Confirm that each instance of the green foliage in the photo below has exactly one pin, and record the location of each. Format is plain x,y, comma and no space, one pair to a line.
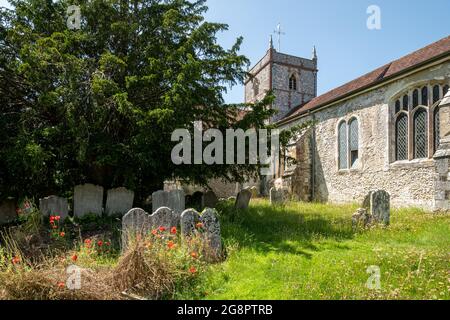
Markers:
99,104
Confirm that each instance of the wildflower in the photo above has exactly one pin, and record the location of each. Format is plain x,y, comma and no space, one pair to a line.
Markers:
88,243
74,258
199,225
100,243
15,260
162,229
154,232
194,255
61,285
173,230
192,270
57,218
107,243
62,234
170,244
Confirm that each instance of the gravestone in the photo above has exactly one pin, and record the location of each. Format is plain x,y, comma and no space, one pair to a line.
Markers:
243,199
54,206
88,199
210,230
254,191
277,196
119,201
380,206
174,200
138,222
134,223
159,199
210,200
7,211
361,218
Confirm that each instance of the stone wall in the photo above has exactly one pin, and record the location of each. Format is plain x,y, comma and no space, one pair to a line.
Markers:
410,183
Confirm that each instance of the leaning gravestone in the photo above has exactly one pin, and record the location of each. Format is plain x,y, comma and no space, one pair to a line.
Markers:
54,205
210,199
119,201
7,211
210,230
88,199
243,199
174,200
277,196
138,222
380,206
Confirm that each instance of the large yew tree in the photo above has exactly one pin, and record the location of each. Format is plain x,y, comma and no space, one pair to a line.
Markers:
99,104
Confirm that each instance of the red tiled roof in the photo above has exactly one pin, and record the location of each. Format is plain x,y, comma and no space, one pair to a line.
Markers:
437,49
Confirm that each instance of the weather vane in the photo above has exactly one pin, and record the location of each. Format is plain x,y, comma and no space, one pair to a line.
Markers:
279,33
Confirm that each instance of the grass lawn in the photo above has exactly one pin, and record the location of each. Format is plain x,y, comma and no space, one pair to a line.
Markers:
309,251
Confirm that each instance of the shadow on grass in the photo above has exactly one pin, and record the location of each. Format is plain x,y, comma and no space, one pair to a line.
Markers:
266,228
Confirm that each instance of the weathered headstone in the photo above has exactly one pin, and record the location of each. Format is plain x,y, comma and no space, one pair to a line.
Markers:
210,230
277,196
361,218
135,222
119,201
243,199
380,206
210,200
88,199
54,205
7,211
159,199
255,192
164,217
174,200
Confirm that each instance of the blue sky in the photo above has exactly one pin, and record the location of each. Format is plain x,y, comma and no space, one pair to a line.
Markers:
346,48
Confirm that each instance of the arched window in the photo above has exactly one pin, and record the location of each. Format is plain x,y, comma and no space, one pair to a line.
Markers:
405,102
342,144
436,93
397,106
437,131
425,96
415,98
353,142
401,137
420,134
293,83
445,89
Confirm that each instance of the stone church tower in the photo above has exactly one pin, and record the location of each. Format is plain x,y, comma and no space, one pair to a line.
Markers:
293,80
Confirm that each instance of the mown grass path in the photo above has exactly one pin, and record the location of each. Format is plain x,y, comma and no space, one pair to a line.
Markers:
309,251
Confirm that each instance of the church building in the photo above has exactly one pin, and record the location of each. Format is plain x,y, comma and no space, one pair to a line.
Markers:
385,130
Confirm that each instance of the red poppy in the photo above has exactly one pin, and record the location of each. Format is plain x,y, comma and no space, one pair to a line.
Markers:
62,234
162,229
173,230
61,285
154,232
52,218
16,260
57,218
170,244
74,258
100,243
192,270
199,225
194,255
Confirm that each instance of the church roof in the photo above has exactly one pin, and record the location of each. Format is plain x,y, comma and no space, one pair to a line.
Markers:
433,51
